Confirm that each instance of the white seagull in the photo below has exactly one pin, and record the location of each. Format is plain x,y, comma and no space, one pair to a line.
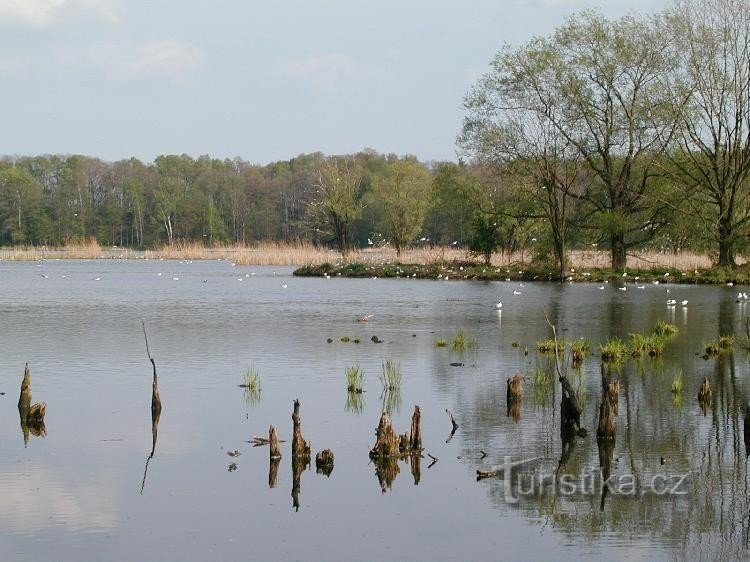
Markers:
671,302
499,305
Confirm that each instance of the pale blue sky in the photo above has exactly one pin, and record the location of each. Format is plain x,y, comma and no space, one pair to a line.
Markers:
259,80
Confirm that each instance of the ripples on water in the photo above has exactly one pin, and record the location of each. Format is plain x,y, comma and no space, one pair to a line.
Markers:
75,494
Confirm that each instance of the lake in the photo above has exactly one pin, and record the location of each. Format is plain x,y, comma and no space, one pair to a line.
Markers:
87,489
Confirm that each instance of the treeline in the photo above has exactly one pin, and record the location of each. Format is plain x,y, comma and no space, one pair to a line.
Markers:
54,200
616,134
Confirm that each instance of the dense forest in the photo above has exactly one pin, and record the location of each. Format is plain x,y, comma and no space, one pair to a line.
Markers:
621,134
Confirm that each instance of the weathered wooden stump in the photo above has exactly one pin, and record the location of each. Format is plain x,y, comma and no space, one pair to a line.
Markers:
273,471
31,415
324,462
515,388
300,447
704,393
386,439
608,409
570,409
415,435
273,442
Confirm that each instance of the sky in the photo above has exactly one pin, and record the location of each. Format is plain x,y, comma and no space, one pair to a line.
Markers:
262,81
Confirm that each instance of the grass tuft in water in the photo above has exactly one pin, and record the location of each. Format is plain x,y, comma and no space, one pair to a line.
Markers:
665,329
441,343
677,383
613,350
579,349
355,379
391,376
251,385
462,341
548,346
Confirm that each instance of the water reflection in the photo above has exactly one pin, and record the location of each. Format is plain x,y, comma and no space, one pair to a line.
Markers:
155,415
299,464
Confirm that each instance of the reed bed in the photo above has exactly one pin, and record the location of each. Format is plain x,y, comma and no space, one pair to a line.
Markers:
305,252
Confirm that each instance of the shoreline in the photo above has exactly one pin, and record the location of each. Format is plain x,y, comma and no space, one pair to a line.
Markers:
437,263
468,271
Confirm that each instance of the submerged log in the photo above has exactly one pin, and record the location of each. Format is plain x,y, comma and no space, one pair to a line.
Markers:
300,447
273,441
324,462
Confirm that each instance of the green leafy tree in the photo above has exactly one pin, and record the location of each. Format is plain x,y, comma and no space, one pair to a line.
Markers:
338,203
403,199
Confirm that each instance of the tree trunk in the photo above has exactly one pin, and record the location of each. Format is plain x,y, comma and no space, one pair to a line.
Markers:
619,259
273,441
726,242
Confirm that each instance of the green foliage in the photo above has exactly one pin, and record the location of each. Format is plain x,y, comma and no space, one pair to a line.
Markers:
391,376
441,343
355,379
677,383
403,196
614,350
462,341
251,385
579,349
665,329
484,236
549,346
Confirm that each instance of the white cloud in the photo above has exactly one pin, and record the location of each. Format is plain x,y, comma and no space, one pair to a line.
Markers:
327,71
43,13
169,58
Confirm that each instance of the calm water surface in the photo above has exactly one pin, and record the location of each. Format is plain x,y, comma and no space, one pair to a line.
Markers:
85,492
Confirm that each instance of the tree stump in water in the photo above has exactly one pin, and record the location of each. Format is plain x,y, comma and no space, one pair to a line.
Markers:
300,447
570,409
608,409
273,442
31,415
515,388
386,439
415,436
324,462
273,471
704,393
24,400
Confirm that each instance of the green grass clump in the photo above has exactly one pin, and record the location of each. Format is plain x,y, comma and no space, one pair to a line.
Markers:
462,341
251,385
613,350
726,342
391,375
441,343
665,329
549,346
677,383
355,379
345,339
579,349
638,344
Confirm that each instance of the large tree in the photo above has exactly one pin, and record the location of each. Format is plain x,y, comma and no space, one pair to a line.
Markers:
403,197
600,85
712,155
338,203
